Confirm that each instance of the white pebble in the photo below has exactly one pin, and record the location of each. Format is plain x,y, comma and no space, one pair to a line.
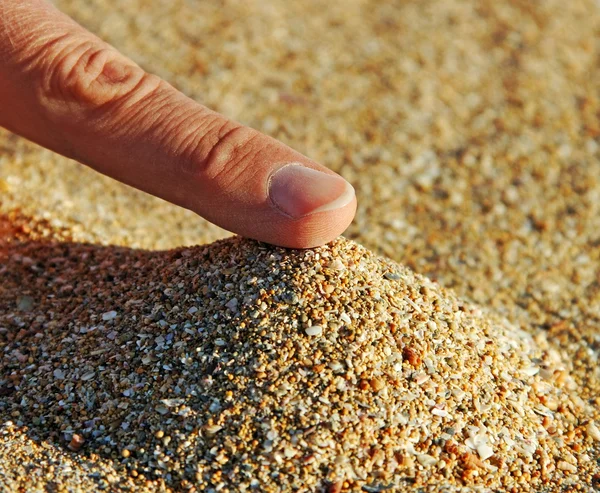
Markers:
172,402
565,466
485,451
426,460
289,452
315,330
109,315
593,431
212,430
531,371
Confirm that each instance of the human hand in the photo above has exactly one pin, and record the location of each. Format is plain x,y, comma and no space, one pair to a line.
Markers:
67,90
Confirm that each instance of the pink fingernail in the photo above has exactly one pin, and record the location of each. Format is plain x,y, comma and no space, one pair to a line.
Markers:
299,191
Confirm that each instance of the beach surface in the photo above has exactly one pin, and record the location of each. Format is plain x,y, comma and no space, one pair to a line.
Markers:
471,133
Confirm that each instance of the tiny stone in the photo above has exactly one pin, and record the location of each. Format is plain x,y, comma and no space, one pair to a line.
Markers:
161,409
109,315
335,487
565,466
173,402
377,384
484,451
439,412
426,460
232,304
87,376
593,431
412,356
24,303
315,330
76,442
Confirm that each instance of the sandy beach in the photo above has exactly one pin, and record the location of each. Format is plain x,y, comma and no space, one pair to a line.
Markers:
450,340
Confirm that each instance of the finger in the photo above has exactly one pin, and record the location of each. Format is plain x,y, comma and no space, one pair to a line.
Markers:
69,91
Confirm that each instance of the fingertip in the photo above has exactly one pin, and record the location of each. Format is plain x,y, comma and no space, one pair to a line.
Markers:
314,230
266,191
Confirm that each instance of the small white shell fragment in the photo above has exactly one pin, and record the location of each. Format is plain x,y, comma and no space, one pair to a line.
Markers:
172,402
426,460
593,431
87,376
565,466
109,315
531,371
212,430
315,330
337,264
289,452
484,451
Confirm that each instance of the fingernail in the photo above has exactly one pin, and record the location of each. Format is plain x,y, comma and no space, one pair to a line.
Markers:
299,191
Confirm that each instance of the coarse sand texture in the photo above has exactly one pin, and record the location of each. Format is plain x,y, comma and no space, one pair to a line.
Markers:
138,356
243,367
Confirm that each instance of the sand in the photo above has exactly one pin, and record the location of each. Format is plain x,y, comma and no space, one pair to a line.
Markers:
241,366
469,130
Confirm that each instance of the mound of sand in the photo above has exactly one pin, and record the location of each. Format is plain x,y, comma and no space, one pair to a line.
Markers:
243,367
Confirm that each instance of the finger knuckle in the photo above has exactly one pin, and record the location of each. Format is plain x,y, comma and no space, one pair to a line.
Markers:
86,76
224,152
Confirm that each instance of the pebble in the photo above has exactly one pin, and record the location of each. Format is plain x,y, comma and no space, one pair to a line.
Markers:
335,487
377,384
565,466
110,315
232,304
77,441
593,431
484,451
315,330
25,303
426,460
